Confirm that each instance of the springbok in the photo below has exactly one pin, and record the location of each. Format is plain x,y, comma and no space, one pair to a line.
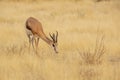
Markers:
35,31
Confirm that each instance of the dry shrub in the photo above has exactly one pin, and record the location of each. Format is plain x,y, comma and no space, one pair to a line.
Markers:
15,49
94,57
101,0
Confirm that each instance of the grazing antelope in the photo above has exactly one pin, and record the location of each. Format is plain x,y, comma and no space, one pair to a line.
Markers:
35,31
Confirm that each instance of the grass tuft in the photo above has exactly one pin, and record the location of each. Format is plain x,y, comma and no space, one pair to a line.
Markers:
96,56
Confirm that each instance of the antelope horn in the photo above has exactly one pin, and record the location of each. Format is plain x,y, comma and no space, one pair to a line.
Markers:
53,37
56,36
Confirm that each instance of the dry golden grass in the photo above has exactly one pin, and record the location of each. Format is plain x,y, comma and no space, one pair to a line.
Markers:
78,23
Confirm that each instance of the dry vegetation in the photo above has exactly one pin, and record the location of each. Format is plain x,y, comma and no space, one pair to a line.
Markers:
89,40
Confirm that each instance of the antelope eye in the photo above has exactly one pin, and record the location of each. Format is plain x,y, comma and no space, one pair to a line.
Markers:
53,45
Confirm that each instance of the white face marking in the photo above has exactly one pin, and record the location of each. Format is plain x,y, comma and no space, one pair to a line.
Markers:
54,46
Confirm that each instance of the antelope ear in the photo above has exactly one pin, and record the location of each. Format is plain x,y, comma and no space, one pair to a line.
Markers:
51,36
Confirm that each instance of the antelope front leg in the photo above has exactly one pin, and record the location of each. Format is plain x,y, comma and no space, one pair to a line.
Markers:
33,43
30,41
29,44
36,43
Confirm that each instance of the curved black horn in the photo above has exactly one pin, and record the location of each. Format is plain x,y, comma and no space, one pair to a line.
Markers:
52,36
56,36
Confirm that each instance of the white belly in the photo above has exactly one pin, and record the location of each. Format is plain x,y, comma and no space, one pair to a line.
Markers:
30,34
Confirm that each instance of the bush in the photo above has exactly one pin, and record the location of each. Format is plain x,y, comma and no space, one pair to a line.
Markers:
94,57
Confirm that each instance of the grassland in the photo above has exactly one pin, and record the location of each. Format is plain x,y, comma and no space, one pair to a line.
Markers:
80,24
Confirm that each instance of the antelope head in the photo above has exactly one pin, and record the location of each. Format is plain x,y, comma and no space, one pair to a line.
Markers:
54,41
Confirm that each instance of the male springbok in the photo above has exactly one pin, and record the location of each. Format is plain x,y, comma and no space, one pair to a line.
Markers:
35,31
